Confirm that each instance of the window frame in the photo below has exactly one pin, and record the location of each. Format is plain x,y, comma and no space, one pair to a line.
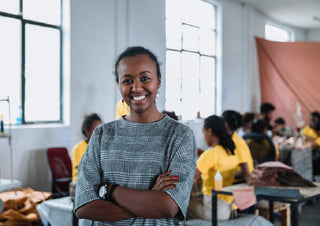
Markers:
215,57
59,28
291,33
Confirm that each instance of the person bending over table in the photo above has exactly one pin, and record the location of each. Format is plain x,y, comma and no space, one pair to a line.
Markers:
220,156
137,170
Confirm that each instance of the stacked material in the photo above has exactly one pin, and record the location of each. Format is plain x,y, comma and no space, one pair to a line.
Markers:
20,206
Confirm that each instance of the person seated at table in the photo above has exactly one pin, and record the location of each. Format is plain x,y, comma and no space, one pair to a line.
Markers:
266,111
278,128
260,144
233,120
308,131
220,156
248,118
88,125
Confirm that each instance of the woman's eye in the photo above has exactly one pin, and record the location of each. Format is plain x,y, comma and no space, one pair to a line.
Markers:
127,81
145,79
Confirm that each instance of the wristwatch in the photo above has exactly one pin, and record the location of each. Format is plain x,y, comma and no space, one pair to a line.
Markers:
105,191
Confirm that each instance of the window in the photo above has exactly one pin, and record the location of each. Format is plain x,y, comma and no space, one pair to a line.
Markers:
277,33
191,40
31,60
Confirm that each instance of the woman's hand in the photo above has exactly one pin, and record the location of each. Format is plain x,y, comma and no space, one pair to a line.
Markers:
165,181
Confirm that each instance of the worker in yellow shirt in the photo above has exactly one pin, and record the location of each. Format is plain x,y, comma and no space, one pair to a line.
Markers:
308,132
233,122
220,156
89,123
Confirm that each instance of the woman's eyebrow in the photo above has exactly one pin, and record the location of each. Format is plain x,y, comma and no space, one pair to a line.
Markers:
145,72
126,75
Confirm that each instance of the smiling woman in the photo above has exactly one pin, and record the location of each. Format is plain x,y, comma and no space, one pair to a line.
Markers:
139,169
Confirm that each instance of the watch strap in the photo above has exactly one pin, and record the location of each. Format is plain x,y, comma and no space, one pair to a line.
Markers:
109,192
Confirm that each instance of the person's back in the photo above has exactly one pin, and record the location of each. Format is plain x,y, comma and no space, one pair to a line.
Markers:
233,121
261,146
220,156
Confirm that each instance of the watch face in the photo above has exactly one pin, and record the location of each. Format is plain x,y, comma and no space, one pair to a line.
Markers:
102,191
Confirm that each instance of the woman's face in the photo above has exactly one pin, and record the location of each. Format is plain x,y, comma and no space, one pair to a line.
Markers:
138,82
207,136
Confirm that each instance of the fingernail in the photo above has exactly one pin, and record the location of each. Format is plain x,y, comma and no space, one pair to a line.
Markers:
172,185
175,176
169,171
176,180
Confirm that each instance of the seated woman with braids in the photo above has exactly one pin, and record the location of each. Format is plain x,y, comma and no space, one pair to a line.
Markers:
220,156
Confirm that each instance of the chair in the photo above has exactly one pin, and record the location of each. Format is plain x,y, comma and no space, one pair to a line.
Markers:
60,166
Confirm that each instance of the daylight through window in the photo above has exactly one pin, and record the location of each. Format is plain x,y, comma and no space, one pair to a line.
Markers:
191,58
31,60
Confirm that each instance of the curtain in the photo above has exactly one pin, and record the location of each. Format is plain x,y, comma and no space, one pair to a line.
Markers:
290,73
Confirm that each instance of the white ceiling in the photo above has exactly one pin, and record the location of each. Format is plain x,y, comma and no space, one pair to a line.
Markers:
298,13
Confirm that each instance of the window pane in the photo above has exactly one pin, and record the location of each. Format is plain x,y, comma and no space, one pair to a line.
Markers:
173,82
47,11
9,6
207,42
207,86
190,85
10,66
173,34
42,72
191,38
195,32
207,16
274,33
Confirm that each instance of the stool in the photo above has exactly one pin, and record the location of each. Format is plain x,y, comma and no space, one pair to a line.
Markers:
283,208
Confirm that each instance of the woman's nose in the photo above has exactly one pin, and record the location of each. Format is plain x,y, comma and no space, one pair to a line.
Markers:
137,86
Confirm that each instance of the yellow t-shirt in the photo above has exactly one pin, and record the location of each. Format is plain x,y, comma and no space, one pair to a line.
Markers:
309,132
318,141
76,155
242,151
214,159
122,109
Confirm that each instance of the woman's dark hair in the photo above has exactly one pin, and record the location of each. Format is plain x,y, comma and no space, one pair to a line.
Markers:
217,125
266,107
233,118
279,121
88,122
248,117
134,51
258,126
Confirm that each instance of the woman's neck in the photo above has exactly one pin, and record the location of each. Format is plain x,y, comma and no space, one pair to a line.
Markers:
145,117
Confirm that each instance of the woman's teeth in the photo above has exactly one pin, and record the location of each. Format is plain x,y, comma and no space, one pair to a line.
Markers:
139,98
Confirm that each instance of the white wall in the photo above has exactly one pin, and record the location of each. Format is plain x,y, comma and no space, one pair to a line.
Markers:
313,35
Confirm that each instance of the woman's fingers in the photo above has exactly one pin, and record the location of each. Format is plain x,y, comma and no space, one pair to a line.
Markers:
165,181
